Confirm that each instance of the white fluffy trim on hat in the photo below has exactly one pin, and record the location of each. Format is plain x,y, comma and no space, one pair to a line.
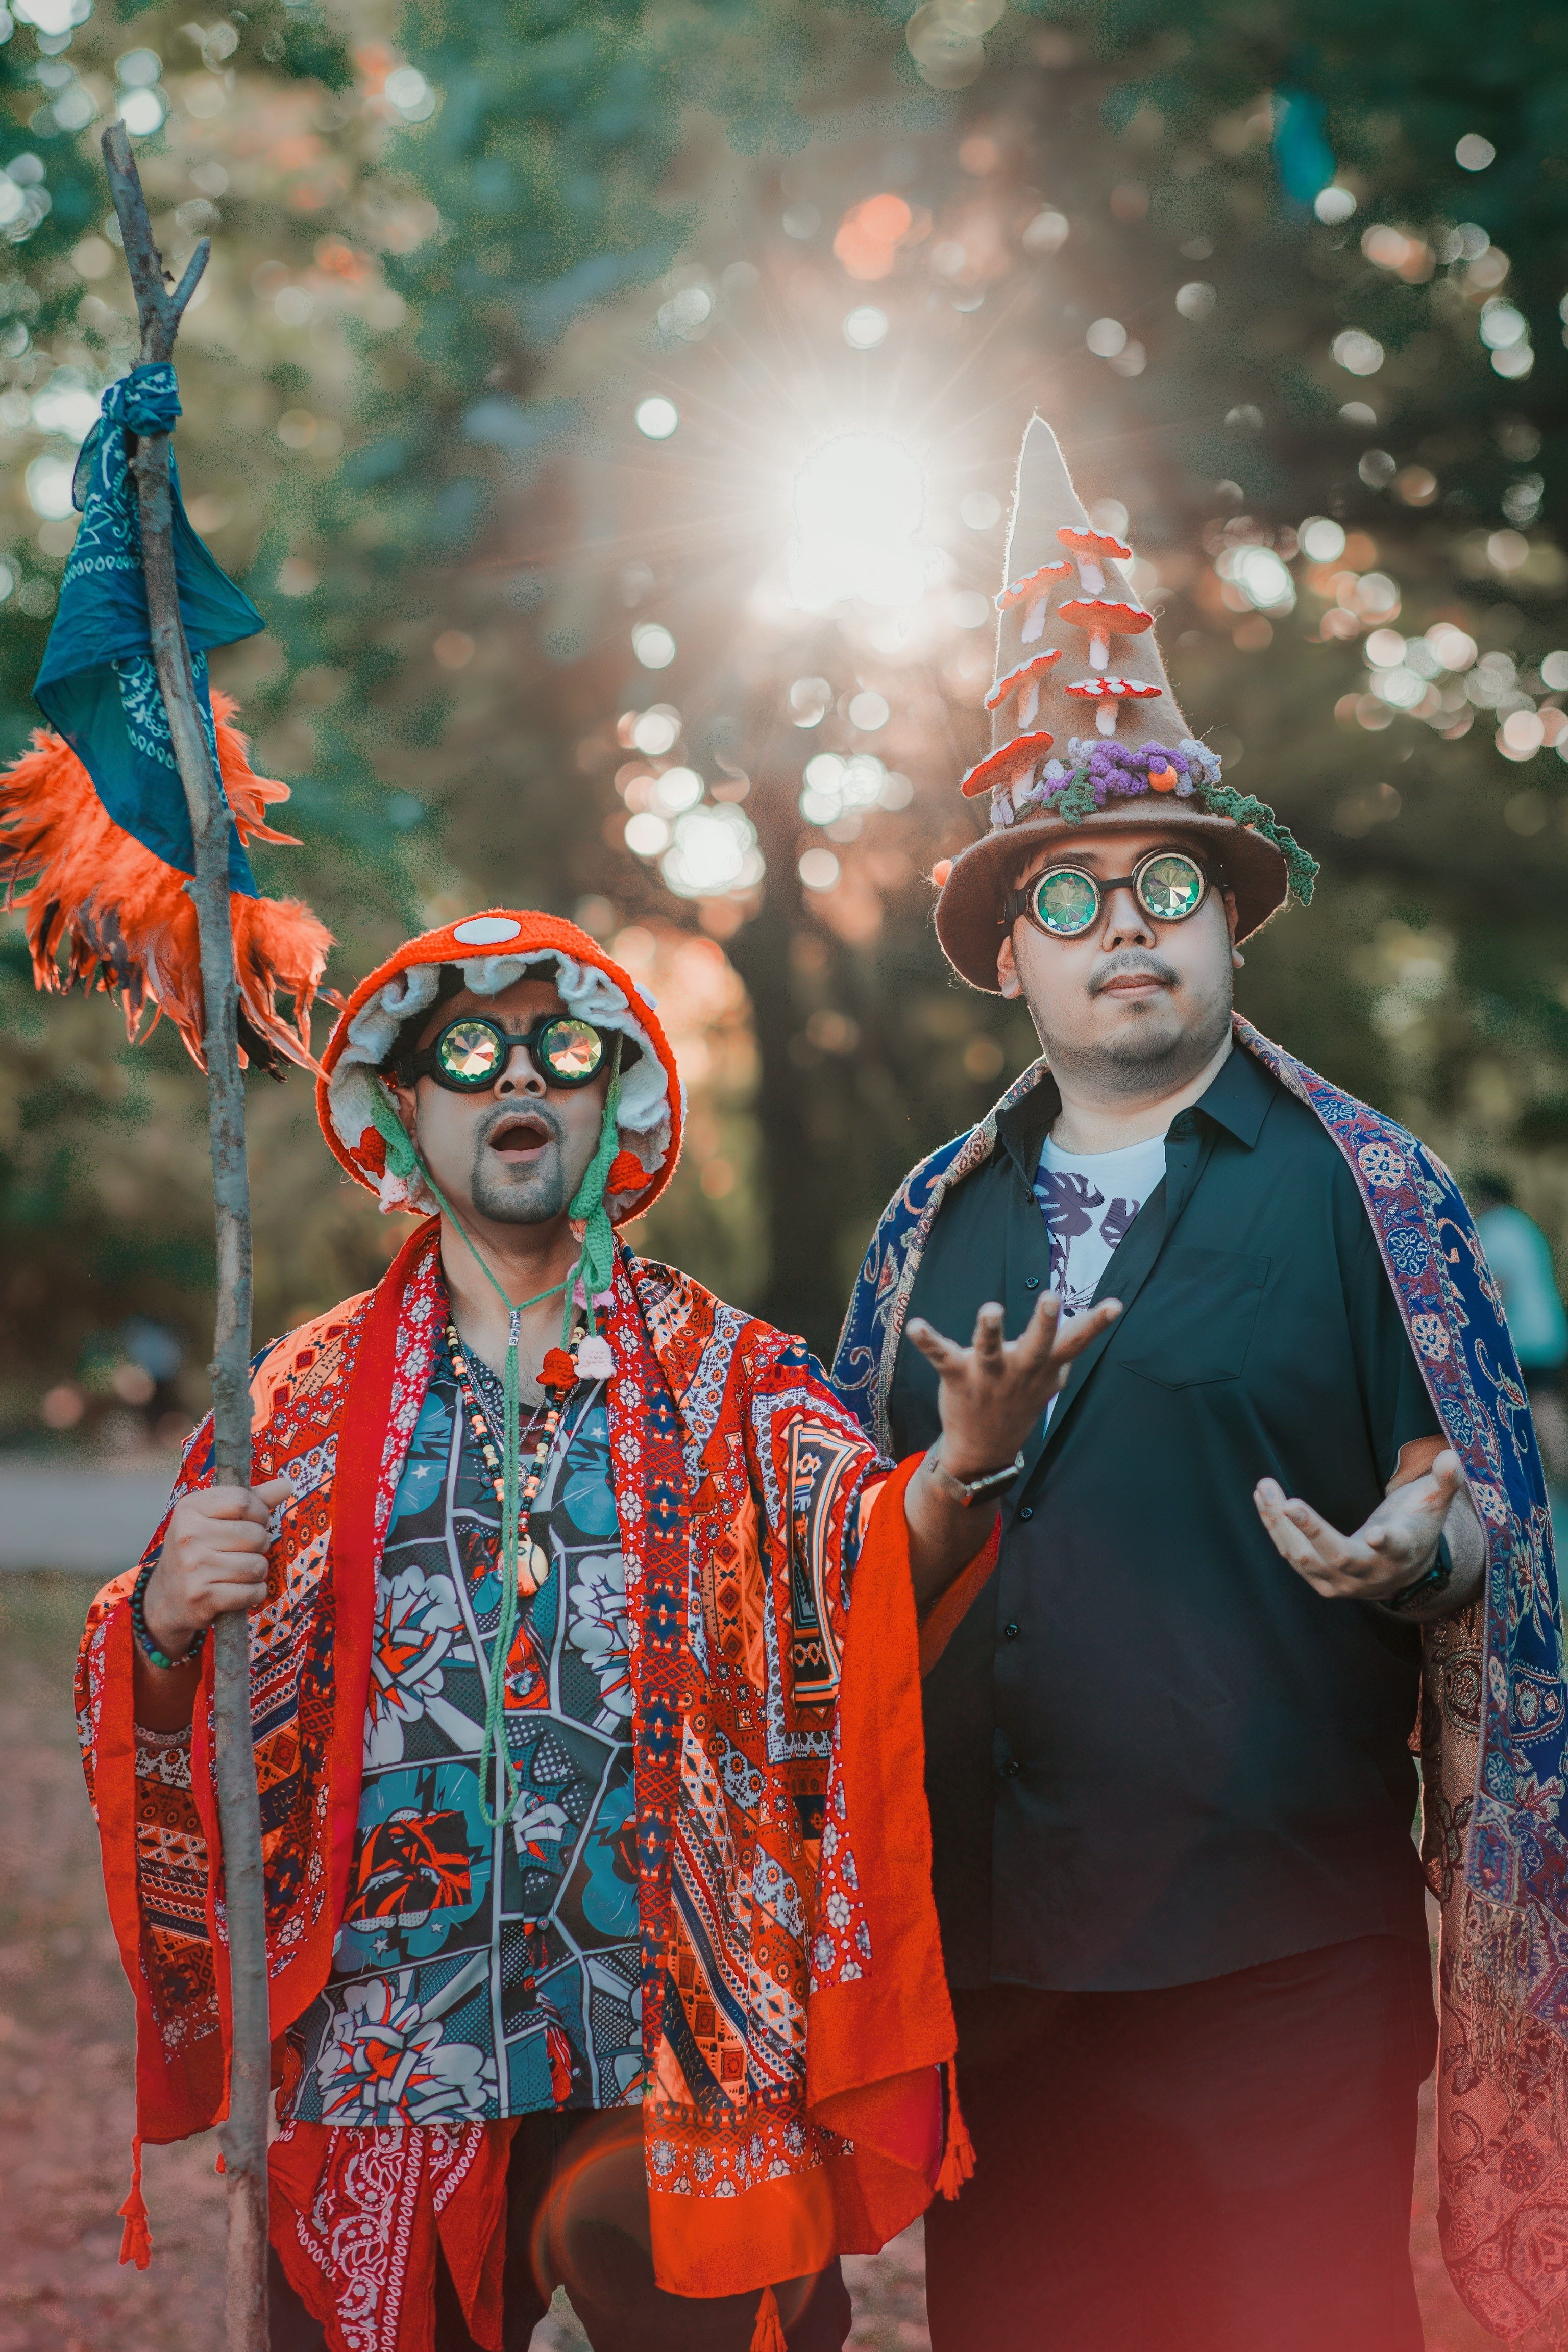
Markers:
644,1120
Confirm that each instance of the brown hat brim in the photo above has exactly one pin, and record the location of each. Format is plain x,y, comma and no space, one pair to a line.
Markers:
970,922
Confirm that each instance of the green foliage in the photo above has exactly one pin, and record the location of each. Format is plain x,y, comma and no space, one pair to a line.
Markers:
409,399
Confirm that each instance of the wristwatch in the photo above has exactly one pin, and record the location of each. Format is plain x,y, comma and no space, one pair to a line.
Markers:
1428,1584
967,1492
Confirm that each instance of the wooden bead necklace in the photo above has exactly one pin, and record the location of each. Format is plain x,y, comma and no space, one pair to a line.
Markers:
532,1565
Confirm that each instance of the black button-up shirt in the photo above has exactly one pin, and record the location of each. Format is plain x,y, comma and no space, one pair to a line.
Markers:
1154,1755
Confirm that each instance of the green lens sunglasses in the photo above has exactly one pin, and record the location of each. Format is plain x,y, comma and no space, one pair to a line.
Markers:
1065,900
472,1051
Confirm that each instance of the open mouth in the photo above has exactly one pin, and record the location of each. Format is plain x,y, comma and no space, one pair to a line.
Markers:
519,1140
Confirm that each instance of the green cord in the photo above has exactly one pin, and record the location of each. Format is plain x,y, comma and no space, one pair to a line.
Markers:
597,1266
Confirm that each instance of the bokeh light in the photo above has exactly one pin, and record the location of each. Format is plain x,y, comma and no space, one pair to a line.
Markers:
678,789
654,732
1357,354
865,327
810,700
653,645
142,112
713,851
657,417
1322,541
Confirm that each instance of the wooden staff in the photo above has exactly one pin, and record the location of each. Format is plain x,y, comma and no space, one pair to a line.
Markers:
239,1811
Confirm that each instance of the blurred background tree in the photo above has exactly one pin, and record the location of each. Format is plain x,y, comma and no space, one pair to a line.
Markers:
613,412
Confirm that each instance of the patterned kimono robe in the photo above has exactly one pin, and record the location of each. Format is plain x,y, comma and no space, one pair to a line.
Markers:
1493,1735
794,2011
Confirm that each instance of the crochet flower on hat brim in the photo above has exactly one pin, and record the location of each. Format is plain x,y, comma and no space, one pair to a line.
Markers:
644,1118
1102,770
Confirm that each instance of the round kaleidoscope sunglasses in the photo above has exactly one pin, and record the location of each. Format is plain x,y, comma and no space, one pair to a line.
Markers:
471,1053
1065,900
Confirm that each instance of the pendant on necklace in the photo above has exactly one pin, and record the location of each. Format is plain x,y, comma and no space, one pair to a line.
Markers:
532,1572
595,1360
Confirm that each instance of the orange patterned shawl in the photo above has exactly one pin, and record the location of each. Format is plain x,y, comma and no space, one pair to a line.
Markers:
795,2013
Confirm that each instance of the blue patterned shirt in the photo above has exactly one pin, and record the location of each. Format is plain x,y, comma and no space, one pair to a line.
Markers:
482,1973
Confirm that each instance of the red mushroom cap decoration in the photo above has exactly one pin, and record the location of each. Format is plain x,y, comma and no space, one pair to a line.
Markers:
1109,693
1096,544
1099,690
1034,583
1020,676
1021,752
1103,617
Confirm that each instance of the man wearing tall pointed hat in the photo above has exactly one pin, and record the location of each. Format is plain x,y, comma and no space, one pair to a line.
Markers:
1285,1523
600,1935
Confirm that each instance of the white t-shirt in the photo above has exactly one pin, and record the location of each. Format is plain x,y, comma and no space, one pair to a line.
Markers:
1088,1200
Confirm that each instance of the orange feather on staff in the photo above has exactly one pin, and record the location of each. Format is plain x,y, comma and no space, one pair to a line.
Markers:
102,909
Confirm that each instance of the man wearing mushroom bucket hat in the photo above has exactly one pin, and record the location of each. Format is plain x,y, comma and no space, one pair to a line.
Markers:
1287,1504
601,1942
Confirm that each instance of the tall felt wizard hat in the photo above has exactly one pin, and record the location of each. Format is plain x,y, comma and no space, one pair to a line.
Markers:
1086,731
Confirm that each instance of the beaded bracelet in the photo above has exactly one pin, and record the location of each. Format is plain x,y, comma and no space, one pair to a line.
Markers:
139,1626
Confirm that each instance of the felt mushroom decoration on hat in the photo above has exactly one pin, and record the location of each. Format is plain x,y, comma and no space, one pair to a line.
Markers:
1062,574
1103,617
1142,755
1033,591
1108,693
1089,549
1024,682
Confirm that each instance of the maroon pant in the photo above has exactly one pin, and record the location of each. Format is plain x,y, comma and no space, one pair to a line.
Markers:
1223,2167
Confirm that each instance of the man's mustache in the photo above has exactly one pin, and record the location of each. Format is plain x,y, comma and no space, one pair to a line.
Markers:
1132,962
503,1114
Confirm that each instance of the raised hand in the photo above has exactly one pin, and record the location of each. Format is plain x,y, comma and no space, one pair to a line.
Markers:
991,1395
993,1392
1397,1544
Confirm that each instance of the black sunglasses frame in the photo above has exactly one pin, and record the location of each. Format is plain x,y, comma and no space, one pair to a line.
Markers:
427,1063
1024,902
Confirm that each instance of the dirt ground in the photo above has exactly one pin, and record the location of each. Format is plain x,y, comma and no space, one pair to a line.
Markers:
66,2081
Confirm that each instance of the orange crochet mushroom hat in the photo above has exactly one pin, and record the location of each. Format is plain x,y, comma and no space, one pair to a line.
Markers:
491,951
1076,659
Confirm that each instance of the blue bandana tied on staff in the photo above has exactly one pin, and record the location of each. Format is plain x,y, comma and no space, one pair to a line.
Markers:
98,686
96,850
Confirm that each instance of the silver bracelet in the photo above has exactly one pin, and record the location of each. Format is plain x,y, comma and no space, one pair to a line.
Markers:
967,1492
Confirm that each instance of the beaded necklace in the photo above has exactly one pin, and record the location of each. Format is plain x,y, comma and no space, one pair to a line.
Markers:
558,1375
532,1565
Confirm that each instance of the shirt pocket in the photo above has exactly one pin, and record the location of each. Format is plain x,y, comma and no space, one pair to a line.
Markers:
1194,1321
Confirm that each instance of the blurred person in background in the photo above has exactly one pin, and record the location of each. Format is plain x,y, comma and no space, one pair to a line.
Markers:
600,1932
1168,1752
1520,1256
